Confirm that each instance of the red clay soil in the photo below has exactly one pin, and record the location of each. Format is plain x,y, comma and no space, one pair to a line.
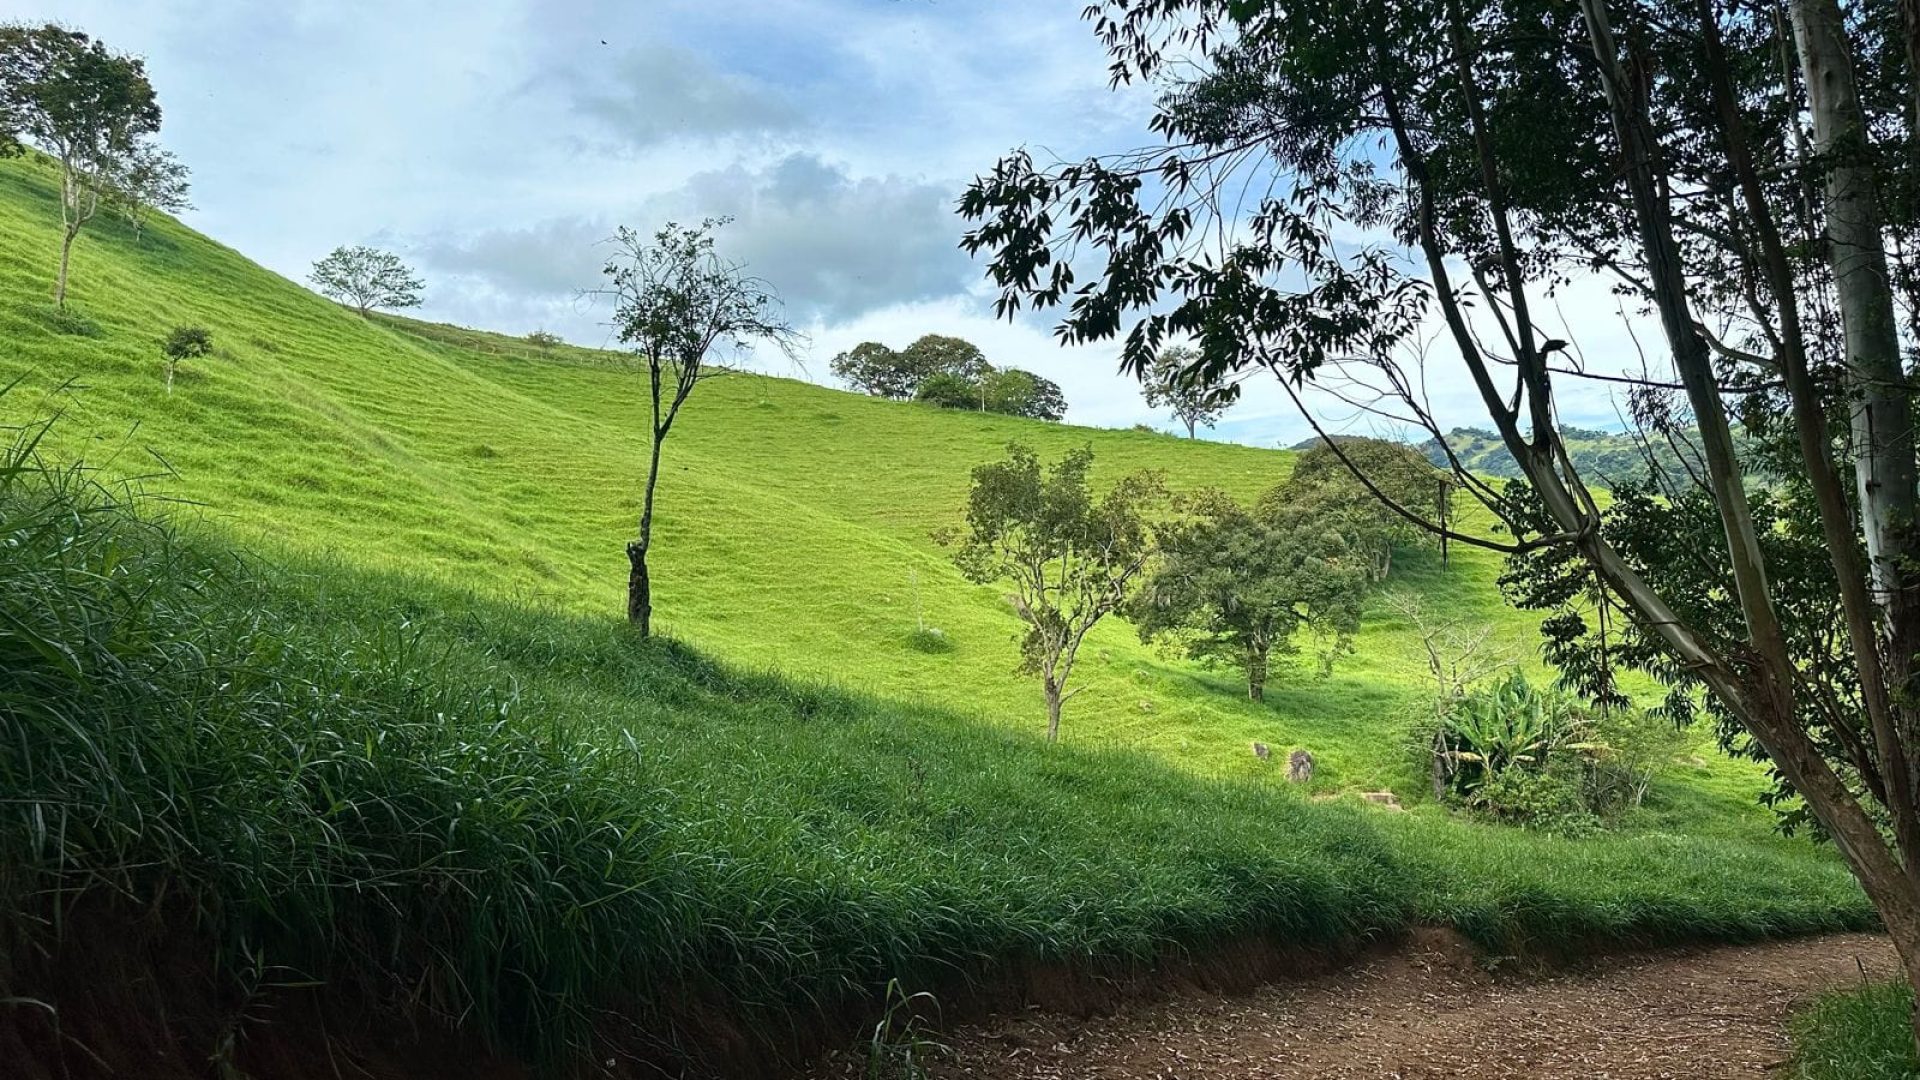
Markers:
1433,1009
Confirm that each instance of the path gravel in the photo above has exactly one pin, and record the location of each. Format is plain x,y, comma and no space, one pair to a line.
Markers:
1431,1010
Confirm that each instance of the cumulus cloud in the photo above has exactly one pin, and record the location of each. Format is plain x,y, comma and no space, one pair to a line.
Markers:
556,257
834,245
657,92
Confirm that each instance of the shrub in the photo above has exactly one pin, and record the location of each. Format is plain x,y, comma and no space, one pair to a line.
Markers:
930,639
1539,757
949,391
1548,799
541,339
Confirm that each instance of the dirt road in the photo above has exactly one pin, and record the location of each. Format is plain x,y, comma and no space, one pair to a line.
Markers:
1430,1011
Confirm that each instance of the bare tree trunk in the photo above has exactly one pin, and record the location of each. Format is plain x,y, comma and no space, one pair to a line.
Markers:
1054,701
66,257
1191,433
170,367
639,580
1257,672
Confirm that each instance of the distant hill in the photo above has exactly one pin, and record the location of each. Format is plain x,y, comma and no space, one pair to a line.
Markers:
1603,457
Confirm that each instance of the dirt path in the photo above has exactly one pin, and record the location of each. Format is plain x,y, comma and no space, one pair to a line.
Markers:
1431,1011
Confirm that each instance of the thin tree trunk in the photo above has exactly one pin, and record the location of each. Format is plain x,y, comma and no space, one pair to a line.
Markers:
170,366
1257,672
639,580
1191,433
1054,701
66,257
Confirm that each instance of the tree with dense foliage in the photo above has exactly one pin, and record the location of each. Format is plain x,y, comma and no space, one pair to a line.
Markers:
367,278
949,391
676,300
88,107
184,343
1341,487
1071,559
872,368
1743,175
147,179
1236,585
934,354
1016,392
1196,402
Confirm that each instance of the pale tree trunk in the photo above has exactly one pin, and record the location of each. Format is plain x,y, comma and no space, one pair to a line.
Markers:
1257,671
1882,411
1881,407
66,258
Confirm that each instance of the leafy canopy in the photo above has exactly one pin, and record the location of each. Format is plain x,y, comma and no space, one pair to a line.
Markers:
367,278
1236,586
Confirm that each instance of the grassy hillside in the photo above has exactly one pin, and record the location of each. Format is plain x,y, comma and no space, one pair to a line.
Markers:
444,764
794,520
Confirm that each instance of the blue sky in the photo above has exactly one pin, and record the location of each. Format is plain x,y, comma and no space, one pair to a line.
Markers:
495,143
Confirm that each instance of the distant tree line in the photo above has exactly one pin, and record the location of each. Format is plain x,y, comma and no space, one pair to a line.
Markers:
949,372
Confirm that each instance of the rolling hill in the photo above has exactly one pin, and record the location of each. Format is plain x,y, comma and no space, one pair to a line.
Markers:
805,804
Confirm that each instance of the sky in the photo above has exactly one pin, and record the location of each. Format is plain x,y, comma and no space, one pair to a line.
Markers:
497,144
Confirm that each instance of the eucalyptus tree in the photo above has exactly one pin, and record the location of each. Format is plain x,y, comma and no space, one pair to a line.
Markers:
86,106
1740,173
676,300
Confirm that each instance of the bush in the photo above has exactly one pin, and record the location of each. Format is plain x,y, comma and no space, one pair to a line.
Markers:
930,639
541,339
1538,757
1549,800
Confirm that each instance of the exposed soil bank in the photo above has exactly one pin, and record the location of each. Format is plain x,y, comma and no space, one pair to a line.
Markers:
1426,1007
1433,1009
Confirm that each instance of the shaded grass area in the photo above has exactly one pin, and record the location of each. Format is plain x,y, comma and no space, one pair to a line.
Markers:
1863,1034
532,825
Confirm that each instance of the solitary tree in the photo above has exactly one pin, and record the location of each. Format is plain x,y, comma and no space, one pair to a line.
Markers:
367,278
1741,173
1171,383
147,179
1070,558
675,300
872,368
86,106
1236,585
184,343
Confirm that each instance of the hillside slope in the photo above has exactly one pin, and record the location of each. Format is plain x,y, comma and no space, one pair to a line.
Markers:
794,520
